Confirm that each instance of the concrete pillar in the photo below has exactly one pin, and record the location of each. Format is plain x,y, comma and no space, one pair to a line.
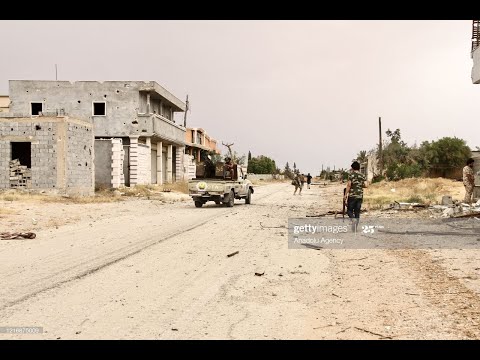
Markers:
148,142
180,168
159,163
199,155
169,163
148,103
194,136
134,168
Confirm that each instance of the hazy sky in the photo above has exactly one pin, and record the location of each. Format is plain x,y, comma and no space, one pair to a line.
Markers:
308,92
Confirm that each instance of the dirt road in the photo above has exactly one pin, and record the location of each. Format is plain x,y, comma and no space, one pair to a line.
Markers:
145,270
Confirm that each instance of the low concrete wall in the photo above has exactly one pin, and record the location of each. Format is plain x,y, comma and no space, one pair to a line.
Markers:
264,177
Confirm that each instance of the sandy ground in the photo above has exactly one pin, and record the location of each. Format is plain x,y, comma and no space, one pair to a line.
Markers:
145,269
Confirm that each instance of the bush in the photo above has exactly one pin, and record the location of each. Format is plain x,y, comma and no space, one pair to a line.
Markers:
377,178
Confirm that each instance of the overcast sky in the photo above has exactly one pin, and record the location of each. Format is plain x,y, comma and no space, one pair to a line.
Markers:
308,92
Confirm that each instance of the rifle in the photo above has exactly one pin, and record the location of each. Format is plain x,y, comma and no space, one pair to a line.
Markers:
344,205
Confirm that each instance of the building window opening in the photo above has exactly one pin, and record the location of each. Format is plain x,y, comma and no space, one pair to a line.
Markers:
23,152
99,109
36,108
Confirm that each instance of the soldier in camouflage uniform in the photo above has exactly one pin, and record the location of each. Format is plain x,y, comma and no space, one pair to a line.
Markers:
297,182
354,192
468,181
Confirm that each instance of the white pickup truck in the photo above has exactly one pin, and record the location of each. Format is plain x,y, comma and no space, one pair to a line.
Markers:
222,189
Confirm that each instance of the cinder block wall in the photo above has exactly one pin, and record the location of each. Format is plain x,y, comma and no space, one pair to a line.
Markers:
43,138
4,160
79,156
58,146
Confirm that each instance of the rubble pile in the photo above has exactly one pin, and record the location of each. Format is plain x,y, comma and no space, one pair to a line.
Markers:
20,175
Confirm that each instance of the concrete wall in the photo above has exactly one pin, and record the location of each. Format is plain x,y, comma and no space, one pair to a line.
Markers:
4,103
79,155
60,148
76,99
190,166
144,153
109,163
103,162
476,67
476,172
264,177
123,103
168,130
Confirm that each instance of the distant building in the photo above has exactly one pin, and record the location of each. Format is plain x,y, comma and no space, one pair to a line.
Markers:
198,141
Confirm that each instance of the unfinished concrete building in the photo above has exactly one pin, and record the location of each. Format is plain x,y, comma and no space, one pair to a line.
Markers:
136,138
475,53
53,153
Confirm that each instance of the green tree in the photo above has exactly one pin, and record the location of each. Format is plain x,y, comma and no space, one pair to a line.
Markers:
287,171
262,165
362,156
444,154
249,156
399,160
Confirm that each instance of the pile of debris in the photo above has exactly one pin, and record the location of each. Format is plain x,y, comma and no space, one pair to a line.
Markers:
448,208
458,209
20,175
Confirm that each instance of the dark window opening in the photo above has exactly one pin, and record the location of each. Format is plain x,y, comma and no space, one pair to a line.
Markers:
37,108
38,127
23,152
99,109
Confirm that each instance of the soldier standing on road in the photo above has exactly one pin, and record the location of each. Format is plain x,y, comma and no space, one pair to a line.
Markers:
309,180
468,181
297,182
354,193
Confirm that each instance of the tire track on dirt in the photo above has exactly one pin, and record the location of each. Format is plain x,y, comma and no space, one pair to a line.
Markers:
446,292
85,269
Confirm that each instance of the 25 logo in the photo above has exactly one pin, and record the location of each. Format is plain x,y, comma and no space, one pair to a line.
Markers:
368,229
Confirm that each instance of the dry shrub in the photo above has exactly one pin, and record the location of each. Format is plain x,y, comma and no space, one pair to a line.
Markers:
27,196
420,190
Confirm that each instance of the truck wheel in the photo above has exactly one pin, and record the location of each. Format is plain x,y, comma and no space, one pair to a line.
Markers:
248,199
231,199
198,204
218,202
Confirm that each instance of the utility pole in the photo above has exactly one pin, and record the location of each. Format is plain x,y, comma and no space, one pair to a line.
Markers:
185,115
56,77
380,154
